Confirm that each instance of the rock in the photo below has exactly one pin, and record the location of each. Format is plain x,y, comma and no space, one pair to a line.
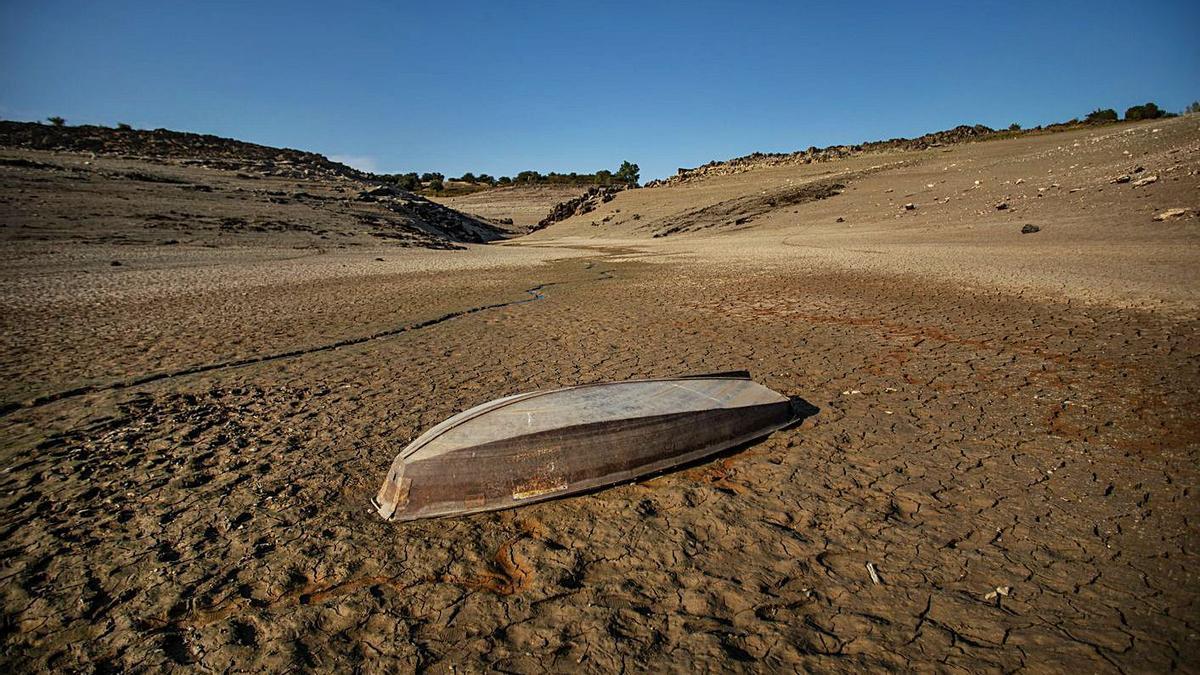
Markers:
1152,178
840,219
1125,178
115,263
1002,206
1171,213
1030,229
584,203
380,191
910,206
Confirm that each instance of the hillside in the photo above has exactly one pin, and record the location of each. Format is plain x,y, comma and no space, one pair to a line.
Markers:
122,186
957,211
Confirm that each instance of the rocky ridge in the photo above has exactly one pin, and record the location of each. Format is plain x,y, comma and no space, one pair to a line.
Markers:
240,189
961,134
157,145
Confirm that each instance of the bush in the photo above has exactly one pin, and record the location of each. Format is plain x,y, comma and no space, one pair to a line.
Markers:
1014,127
56,121
1192,109
1102,115
436,185
124,127
628,173
407,181
1148,111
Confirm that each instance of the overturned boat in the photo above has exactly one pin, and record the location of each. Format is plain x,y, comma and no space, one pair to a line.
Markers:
540,445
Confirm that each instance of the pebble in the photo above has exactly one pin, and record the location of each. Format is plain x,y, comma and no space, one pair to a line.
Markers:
1171,213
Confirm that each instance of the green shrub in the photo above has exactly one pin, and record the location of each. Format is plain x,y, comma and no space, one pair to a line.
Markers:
1102,115
1147,111
56,121
1014,127
629,173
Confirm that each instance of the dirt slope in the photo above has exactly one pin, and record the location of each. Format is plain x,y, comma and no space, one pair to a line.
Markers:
171,188
969,204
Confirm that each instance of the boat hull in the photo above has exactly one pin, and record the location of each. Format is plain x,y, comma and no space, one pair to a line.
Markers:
570,458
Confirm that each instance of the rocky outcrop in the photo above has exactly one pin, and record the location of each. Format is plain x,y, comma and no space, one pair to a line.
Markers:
814,154
435,219
584,203
160,144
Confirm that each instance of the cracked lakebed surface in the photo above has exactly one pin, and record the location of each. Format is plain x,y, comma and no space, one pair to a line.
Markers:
964,442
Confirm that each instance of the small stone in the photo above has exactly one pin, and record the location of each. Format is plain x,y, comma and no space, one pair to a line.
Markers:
1030,229
1171,213
910,206
1152,178
115,263
1125,178
1002,206
841,219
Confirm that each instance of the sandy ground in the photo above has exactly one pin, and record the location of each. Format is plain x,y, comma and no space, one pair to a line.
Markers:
1006,431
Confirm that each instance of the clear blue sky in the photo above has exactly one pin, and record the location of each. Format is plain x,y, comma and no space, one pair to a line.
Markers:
500,87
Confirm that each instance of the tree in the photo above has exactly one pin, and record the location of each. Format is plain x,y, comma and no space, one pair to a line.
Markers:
504,180
628,173
124,127
408,181
426,177
604,176
1102,115
1014,127
56,121
467,177
1147,111
1192,109
436,184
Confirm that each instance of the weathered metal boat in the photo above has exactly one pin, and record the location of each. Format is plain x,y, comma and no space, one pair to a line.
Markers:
541,445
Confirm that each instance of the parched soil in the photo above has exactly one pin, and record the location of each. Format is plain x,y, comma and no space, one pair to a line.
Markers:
1001,471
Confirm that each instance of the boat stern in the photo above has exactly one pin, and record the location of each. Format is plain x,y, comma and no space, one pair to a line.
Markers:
393,495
